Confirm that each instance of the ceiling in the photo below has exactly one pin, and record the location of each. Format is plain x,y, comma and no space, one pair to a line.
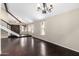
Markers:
8,18
28,11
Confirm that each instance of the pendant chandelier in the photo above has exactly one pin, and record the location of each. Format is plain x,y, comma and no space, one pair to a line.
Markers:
45,8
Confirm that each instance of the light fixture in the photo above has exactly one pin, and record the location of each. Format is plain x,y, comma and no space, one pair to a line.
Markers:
45,8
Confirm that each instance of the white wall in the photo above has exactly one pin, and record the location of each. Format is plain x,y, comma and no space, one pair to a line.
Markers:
4,16
62,29
0,41
4,34
0,32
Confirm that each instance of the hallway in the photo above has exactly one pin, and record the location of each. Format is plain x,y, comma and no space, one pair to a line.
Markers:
31,46
53,29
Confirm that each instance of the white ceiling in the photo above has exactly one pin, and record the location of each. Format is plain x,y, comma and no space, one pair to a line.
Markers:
28,11
8,18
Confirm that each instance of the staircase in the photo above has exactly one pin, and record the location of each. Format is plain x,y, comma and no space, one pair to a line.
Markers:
8,30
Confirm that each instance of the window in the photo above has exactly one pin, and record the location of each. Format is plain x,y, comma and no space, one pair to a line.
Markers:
22,28
31,28
43,28
26,28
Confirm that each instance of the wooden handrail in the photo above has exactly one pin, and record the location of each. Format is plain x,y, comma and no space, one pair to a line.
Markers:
6,22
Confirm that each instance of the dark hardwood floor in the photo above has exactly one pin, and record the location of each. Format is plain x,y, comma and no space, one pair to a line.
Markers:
30,46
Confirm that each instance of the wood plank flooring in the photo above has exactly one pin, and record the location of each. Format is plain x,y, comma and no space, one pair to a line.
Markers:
30,46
